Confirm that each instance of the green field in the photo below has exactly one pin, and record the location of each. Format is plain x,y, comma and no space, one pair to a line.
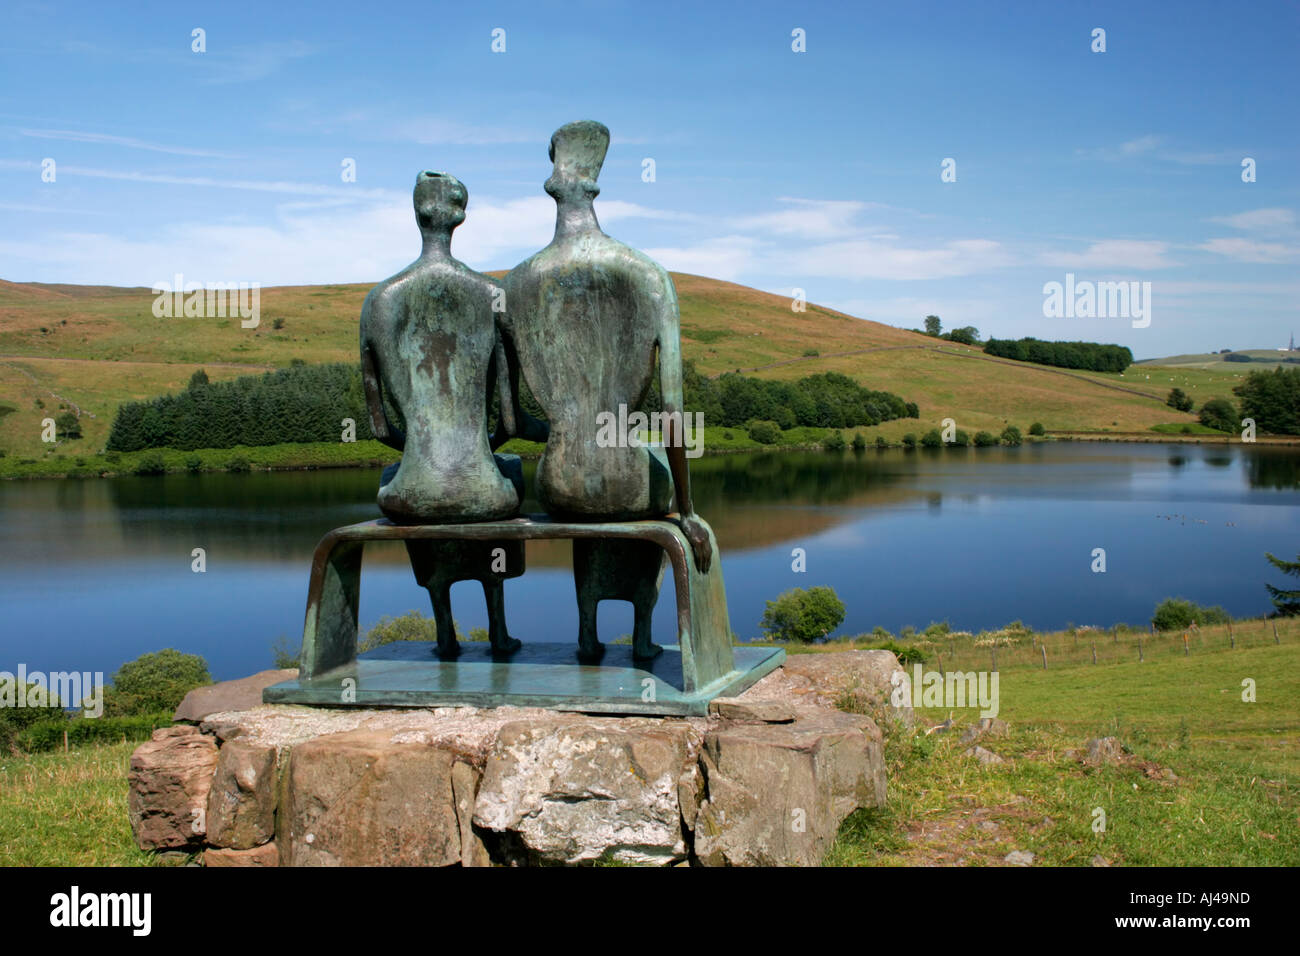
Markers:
1206,779
89,348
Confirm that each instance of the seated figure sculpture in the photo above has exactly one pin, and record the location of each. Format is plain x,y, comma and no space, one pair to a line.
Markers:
431,348
589,315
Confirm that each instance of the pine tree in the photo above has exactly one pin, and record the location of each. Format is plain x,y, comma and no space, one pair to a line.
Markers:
1286,601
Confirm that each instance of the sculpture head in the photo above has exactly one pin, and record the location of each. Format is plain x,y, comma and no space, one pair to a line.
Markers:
440,201
578,151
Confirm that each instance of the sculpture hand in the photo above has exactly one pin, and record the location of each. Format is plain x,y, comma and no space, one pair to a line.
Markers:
698,535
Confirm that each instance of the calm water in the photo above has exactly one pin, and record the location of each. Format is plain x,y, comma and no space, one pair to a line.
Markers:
95,573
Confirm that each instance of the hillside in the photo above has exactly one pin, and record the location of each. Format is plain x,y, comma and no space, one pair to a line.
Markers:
92,347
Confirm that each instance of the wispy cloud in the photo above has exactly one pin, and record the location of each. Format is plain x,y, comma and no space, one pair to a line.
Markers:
78,136
244,64
1271,221
1113,254
1250,250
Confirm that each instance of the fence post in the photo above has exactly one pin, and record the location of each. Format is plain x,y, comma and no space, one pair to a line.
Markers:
1276,639
65,741
1115,631
1232,640
1186,649
1094,652
1140,656
1044,650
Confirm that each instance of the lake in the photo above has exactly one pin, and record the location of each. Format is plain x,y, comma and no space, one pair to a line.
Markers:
94,573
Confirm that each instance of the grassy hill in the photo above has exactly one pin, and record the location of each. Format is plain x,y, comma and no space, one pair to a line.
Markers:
91,347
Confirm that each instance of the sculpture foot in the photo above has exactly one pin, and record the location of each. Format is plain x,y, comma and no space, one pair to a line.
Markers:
506,647
647,653
591,653
448,651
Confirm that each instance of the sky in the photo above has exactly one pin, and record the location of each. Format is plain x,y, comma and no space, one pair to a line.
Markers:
821,170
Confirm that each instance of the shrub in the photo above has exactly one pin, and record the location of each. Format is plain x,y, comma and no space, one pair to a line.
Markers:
1219,413
880,442
193,464
68,425
151,464
411,626
765,433
1037,429
985,439
909,440
860,443
834,442
153,683
239,465
960,439
810,353
799,615
907,655
1179,399
1011,435
283,654
932,439
1175,614
1272,399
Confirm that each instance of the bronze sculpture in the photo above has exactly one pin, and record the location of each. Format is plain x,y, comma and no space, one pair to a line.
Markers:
588,309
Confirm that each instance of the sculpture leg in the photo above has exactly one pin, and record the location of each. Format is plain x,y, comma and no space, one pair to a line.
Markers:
440,593
643,605
494,594
586,583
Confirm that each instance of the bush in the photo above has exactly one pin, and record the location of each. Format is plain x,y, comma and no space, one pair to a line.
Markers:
1011,435
860,443
985,439
960,439
907,655
411,626
909,440
834,442
239,465
47,734
932,439
1219,413
151,464
800,615
284,656
765,433
193,464
880,442
1037,429
1179,399
154,683
1272,399
68,425
1176,614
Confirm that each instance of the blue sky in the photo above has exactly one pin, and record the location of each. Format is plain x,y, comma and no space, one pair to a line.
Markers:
817,170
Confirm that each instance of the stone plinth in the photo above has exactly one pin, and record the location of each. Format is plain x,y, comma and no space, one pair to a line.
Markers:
764,780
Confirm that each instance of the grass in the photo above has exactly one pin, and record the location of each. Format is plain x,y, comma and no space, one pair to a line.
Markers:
89,348
1208,779
61,809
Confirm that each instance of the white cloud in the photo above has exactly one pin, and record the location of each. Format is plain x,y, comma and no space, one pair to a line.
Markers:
1249,250
869,259
726,257
1143,144
1273,220
78,136
1114,254
807,218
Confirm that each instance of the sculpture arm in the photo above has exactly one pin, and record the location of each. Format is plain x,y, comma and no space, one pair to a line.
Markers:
674,439
383,429
514,421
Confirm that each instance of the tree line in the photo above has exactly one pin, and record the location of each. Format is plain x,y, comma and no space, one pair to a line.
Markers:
1091,356
308,403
